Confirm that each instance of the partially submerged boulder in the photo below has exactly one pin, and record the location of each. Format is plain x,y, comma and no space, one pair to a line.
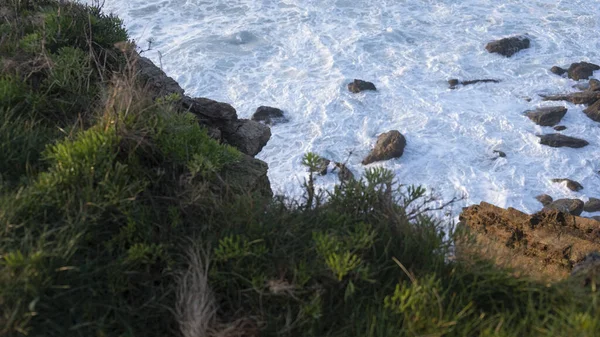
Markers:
571,184
582,70
545,199
389,145
560,128
592,205
453,83
344,173
558,70
547,116
570,206
558,140
360,85
268,115
593,111
584,97
594,85
508,46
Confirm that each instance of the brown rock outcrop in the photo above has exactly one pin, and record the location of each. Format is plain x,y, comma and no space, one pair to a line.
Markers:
545,245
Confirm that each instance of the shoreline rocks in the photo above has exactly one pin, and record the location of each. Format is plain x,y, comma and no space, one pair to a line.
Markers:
571,184
268,115
454,82
582,70
508,46
592,205
389,145
571,206
559,140
547,116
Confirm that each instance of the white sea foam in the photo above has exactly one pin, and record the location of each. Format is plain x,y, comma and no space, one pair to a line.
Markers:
299,55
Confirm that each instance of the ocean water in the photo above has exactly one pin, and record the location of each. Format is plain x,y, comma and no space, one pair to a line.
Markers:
299,55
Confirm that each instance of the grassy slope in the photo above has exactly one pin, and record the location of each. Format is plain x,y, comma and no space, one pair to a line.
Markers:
114,222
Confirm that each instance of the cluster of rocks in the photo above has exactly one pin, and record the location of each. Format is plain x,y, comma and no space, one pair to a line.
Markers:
223,124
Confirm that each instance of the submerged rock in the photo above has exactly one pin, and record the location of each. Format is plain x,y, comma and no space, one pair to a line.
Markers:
360,85
547,116
571,184
389,145
582,70
558,140
453,83
500,154
508,46
560,128
584,97
268,115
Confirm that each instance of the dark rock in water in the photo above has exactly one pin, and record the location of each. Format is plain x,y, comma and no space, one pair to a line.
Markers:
246,135
545,199
585,97
558,140
558,70
592,205
344,173
560,128
582,70
155,80
571,184
248,175
500,153
269,115
547,116
453,83
322,166
508,46
360,85
594,85
208,111
389,145
593,111
572,206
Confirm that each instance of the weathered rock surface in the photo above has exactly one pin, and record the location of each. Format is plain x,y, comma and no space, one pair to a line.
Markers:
246,135
210,112
389,145
360,85
571,184
587,271
545,199
558,70
558,140
584,97
594,85
545,245
268,115
571,206
453,83
248,175
154,79
508,46
547,116
593,111
582,70
592,205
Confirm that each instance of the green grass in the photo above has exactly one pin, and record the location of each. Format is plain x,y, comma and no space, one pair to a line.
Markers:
114,222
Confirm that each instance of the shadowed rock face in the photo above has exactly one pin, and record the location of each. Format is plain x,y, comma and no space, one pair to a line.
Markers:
592,205
508,46
389,145
570,206
545,245
269,115
360,85
558,140
547,116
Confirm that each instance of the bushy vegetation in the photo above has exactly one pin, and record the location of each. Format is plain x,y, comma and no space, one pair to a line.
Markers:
114,221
